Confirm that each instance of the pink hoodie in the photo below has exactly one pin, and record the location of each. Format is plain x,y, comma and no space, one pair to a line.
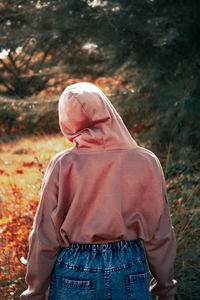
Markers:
106,188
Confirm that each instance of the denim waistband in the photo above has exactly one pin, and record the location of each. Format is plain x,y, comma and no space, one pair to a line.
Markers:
104,246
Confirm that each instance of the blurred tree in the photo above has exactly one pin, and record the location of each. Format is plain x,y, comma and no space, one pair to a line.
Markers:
160,39
43,38
18,35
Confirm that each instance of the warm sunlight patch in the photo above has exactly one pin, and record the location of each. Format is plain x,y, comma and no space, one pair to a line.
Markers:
22,166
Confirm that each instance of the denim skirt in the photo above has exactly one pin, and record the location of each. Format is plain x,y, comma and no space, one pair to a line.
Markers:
112,270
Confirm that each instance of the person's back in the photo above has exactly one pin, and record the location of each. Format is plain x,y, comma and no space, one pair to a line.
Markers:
115,189
105,189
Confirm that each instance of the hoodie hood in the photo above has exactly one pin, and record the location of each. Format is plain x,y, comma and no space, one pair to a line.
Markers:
89,120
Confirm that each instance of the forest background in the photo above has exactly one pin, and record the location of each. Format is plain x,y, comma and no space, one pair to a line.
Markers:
145,56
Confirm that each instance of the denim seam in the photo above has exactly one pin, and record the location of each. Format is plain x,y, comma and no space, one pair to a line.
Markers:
114,269
126,282
108,287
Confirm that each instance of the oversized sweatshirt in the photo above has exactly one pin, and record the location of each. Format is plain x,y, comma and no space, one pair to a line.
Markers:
105,188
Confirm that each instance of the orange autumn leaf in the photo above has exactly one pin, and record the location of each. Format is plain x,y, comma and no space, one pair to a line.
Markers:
30,72
28,164
138,128
19,171
23,126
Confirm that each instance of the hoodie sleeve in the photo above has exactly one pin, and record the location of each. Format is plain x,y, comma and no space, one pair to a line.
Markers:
43,240
161,252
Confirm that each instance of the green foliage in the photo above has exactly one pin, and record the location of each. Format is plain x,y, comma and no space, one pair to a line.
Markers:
161,40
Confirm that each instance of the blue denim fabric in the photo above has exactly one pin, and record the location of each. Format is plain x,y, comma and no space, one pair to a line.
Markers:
115,270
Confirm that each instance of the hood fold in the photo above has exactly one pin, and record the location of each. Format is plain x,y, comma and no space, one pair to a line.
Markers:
89,120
